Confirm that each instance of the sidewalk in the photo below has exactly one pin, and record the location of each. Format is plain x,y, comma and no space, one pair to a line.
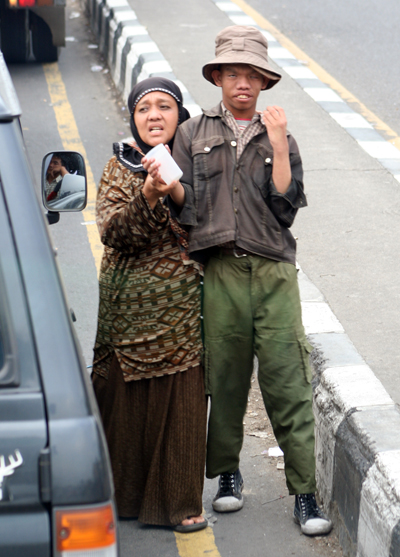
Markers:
347,250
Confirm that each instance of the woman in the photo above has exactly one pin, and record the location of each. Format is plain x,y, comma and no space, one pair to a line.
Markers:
147,374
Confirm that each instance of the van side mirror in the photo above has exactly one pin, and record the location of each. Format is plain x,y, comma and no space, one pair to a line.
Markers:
64,183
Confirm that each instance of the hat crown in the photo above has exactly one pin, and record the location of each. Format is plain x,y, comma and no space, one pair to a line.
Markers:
242,44
241,38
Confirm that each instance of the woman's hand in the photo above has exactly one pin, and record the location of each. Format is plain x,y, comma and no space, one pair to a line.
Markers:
154,186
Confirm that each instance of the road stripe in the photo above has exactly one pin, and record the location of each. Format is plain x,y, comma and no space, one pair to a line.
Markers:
71,141
197,544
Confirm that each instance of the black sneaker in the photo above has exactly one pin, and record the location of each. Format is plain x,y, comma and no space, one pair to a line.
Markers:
229,496
312,520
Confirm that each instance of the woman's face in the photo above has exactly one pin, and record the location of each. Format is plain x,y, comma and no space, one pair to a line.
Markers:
156,118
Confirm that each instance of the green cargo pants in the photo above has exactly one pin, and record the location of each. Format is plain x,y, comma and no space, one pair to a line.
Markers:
252,307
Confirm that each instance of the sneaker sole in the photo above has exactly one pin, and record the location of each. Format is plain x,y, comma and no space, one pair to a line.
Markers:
227,504
316,526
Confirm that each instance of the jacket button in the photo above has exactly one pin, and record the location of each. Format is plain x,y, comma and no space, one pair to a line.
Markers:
268,160
235,210
235,189
233,143
207,149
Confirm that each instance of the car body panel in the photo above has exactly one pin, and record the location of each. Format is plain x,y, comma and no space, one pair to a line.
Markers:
53,452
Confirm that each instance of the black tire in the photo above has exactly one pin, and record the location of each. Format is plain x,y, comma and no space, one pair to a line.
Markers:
14,35
42,40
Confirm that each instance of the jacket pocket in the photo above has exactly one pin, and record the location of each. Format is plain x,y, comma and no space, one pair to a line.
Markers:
261,168
208,164
207,158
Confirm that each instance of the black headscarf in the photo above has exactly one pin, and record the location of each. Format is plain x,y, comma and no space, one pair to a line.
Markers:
148,86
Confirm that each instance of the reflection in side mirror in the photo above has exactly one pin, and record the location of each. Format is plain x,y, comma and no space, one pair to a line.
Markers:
64,184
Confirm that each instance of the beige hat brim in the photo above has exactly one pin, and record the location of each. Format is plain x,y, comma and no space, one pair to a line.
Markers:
242,58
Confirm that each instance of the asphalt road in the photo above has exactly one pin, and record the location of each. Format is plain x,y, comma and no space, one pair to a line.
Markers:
356,41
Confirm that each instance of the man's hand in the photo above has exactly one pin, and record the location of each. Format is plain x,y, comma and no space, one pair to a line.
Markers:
275,121
58,169
274,118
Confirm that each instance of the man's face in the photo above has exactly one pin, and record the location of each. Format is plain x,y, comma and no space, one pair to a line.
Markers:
241,85
55,165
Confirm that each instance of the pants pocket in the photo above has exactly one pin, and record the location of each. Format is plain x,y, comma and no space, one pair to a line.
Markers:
207,371
305,349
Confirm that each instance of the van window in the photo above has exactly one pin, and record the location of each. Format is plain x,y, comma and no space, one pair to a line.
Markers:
7,363
9,374
1,350
18,361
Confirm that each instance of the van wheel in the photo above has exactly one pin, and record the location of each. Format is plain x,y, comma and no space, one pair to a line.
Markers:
42,40
14,35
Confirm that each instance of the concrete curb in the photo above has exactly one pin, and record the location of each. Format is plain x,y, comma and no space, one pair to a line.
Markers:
129,50
357,442
357,423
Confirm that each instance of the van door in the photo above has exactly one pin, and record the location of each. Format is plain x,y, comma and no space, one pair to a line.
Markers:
24,520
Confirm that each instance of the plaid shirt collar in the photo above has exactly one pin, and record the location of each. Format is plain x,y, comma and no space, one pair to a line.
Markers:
243,137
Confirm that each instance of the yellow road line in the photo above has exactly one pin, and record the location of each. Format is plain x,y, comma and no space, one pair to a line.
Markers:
200,543
71,141
323,75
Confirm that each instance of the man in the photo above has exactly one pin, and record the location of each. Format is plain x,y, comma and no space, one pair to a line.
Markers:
54,175
242,184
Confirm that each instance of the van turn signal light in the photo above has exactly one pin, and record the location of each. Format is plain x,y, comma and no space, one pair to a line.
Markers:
83,529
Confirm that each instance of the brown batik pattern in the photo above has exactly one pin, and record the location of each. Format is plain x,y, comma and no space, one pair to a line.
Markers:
149,310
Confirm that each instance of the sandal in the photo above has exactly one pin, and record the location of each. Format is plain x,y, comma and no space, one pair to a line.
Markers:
195,527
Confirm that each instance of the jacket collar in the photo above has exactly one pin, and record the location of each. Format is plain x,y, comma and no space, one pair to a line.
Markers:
217,112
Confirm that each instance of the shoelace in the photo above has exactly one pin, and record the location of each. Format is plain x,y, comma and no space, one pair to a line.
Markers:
309,507
227,482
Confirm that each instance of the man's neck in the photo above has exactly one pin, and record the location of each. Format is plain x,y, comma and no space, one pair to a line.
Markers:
240,114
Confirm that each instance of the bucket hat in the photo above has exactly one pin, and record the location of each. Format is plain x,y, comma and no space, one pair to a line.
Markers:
242,44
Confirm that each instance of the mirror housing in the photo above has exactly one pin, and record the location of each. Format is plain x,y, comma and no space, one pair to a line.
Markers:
63,183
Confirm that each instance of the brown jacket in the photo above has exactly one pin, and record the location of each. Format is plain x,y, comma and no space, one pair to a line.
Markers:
229,200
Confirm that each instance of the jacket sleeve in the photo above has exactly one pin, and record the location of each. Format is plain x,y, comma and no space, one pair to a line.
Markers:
183,157
285,206
124,218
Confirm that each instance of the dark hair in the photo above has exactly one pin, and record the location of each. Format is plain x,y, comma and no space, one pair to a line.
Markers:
60,156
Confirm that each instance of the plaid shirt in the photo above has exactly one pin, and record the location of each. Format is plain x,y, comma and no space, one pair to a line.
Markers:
243,137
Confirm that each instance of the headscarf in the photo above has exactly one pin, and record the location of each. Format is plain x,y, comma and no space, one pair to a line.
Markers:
148,86
131,158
